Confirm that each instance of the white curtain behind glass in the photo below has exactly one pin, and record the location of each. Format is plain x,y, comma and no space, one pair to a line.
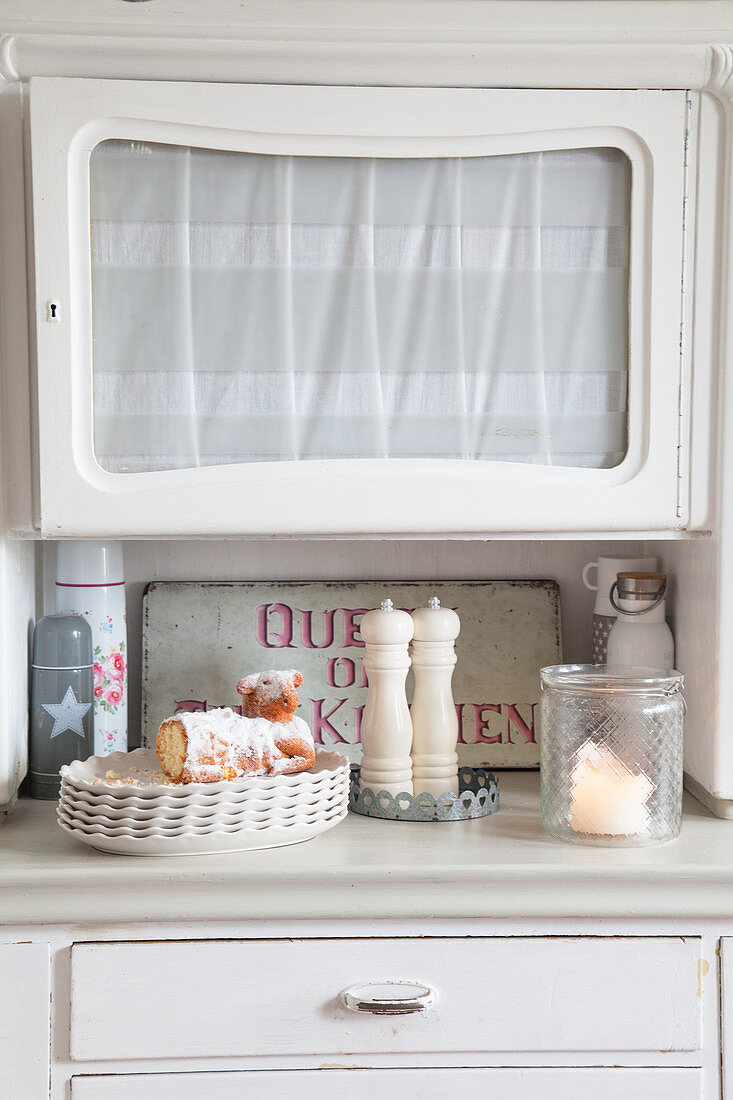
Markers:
253,308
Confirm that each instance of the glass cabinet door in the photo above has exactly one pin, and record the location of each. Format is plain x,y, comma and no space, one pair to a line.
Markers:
256,308
284,310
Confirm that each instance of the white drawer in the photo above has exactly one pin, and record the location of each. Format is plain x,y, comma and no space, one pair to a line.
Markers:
428,1084
282,997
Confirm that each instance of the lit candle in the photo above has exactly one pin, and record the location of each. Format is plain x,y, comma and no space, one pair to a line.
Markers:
606,798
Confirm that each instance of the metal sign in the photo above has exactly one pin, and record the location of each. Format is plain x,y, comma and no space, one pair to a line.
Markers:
199,639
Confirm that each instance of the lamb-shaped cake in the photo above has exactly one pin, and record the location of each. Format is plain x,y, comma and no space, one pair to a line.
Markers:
268,738
272,695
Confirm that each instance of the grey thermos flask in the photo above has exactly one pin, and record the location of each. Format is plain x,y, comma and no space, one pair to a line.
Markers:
62,697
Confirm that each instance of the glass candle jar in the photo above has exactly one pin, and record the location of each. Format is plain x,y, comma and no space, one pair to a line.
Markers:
611,754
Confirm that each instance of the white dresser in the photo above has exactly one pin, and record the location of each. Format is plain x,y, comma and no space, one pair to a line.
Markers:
556,970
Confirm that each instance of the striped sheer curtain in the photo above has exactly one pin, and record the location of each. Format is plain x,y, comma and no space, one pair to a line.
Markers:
254,307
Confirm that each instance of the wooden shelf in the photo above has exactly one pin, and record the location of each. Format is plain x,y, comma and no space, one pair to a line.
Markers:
503,866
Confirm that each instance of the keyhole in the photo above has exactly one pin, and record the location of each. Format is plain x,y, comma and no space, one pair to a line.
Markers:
52,311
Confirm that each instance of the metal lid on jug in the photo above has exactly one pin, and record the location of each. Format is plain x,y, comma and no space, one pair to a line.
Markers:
649,589
641,586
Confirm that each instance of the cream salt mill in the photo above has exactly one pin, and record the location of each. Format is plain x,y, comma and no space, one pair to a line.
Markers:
386,729
434,718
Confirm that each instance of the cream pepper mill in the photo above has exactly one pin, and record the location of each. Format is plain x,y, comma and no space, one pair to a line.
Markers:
386,729
434,718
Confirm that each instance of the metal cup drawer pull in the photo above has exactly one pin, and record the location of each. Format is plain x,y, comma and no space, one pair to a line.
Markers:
388,998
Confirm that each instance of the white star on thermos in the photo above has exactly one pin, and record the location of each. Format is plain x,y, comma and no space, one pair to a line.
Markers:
67,714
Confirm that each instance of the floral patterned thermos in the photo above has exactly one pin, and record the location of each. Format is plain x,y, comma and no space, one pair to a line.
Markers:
90,582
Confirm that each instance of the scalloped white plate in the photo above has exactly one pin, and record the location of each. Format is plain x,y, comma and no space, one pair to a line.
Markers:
203,830
126,828
186,844
198,817
258,812
89,775
225,815
283,796
197,802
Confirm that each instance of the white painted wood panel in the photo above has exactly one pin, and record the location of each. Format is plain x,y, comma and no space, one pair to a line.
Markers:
196,999
17,594
433,1084
25,1009
726,1015
367,42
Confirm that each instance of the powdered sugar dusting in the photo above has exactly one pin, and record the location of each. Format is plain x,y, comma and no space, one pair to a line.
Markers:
270,684
222,744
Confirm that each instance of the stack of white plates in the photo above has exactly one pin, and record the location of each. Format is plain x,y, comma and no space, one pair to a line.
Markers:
120,803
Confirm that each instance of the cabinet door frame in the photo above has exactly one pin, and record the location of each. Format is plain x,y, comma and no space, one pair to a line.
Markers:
647,491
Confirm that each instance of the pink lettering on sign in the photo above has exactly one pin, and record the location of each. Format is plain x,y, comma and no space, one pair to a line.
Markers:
514,718
358,716
321,722
480,723
340,672
351,626
306,629
189,705
459,712
267,634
